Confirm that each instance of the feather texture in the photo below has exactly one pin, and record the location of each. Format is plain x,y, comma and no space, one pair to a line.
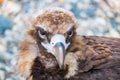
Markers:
87,57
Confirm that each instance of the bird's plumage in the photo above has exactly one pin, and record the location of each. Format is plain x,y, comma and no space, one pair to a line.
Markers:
86,58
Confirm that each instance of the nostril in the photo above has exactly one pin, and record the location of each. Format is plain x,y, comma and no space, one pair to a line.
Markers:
52,43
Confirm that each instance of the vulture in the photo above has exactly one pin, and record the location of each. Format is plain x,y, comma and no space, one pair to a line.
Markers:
51,49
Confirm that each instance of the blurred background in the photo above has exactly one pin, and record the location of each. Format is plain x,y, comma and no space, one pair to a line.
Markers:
95,17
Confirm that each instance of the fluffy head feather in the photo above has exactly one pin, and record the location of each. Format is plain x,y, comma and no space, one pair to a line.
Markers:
55,20
52,21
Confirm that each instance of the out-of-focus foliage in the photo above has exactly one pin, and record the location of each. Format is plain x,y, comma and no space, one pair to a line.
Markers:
95,17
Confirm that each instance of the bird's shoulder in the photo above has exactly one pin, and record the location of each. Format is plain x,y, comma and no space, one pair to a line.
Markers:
98,53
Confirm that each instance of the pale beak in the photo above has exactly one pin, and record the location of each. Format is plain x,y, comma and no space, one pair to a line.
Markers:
60,54
57,47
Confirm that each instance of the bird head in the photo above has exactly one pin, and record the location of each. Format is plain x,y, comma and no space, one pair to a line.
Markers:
55,29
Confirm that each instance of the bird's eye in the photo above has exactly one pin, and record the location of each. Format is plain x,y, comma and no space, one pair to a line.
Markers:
42,34
70,33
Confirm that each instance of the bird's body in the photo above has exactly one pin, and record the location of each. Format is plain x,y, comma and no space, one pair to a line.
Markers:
52,56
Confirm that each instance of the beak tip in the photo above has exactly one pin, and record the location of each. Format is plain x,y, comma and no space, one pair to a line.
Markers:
60,54
61,66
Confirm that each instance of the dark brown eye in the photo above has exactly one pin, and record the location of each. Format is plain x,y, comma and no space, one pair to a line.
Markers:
70,33
42,32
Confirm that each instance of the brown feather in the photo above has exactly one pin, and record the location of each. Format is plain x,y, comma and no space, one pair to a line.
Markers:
87,57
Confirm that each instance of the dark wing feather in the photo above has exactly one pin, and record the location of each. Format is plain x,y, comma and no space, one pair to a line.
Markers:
114,43
106,47
104,64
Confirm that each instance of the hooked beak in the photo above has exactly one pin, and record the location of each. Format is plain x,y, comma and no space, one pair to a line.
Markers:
60,54
57,47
